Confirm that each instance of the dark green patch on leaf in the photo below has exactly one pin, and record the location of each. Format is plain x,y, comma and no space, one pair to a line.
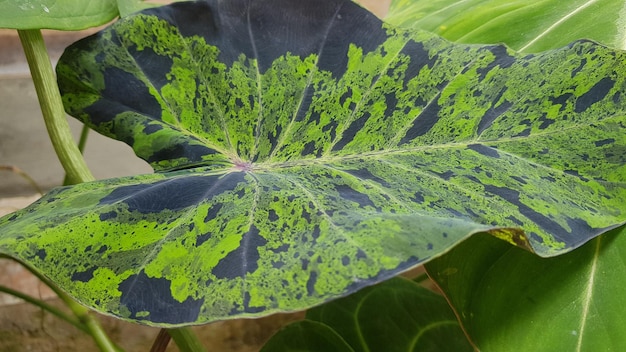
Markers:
305,150
143,297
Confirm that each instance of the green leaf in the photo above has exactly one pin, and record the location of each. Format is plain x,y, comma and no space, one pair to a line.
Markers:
404,121
56,14
126,7
396,315
306,336
529,26
197,245
305,150
508,297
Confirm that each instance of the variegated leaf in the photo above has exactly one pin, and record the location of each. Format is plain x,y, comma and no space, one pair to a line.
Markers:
305,150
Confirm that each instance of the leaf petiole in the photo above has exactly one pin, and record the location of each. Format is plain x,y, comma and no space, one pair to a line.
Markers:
90,324
43,305
186,339
52,107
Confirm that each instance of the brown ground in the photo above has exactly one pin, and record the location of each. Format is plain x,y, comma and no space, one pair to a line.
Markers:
24,327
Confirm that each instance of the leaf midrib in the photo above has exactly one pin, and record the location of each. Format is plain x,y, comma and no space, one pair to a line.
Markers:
269,165
556,24
255,61
587,297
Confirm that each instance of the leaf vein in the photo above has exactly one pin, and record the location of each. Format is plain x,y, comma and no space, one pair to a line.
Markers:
556,24
287,131
365,95
255,53
587,298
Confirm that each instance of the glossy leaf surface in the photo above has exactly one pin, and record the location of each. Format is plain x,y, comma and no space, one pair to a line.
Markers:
505,296
530,26
305,150
56,14
306,335
396,316
126,7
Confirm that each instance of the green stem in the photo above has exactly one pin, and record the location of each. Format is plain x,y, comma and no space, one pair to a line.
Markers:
90,323
77,171
95,329
52,106
68,153
43,305
84,133
186,340
82,142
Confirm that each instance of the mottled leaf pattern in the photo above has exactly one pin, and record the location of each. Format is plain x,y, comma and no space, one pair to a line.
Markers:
221,245
305,150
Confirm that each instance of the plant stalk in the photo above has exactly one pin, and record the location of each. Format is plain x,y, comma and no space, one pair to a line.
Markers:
84,133
43,305
186,340
86,319
161,341
52,107
82,142
95,330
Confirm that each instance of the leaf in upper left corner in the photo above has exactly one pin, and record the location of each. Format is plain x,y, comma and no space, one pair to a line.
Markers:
56,14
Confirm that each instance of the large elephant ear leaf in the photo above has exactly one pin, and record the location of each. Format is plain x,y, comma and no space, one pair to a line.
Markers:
305,150
528,26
